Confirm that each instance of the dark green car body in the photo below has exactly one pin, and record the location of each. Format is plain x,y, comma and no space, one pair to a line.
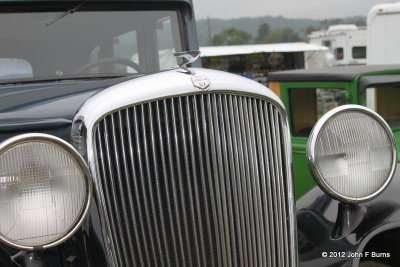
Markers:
308,93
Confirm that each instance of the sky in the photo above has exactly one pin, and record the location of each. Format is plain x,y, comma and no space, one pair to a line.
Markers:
315,9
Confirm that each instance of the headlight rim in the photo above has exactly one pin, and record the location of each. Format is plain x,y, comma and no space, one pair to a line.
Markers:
24,138
311,158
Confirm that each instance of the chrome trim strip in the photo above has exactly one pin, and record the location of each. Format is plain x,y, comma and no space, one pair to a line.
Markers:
311,152
24,138
164,85
281,188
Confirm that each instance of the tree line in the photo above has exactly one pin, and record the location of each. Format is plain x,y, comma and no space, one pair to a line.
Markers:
265,35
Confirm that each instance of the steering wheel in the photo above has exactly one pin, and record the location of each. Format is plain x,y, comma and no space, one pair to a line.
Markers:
108,61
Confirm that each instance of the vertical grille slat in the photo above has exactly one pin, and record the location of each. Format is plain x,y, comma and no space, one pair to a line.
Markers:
142,193
189,186
255,185
261,184
227,183
118,179
176,198
159,201
284,206
167,180
181,186
209,156
141,241
111,183
109,206
275,187
266,189
196,180
242,184
199,228
233,173
245,132
218,172
239,175
151,182
202,171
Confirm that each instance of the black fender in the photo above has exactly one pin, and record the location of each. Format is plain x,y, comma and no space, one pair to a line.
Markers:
374,230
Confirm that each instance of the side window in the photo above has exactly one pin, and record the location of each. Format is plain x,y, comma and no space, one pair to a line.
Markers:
385,101
339,53
326,43
165,43
307,105
359,52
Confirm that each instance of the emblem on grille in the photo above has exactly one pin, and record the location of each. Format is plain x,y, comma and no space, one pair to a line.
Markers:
200,81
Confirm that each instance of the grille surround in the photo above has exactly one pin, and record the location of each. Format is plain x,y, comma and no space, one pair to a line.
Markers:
91,121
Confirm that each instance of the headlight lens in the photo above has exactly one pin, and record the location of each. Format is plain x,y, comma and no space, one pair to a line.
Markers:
44,191
352,153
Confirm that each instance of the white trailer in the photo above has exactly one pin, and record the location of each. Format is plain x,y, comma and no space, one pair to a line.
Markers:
255,61
383,25
347,42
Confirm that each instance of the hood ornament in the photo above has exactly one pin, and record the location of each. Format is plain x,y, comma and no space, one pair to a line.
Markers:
199,80
187,57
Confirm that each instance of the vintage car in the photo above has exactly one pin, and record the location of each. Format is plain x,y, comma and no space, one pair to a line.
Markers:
117,149
309,94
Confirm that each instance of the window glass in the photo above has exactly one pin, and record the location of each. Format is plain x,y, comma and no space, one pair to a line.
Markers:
307,105
165,43
12,68
339,53
126,46
326,43
88,43
385,101
359,52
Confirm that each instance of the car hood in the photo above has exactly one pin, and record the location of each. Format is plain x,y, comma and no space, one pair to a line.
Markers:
40,106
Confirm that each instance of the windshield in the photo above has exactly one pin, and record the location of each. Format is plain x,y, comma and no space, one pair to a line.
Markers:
46,45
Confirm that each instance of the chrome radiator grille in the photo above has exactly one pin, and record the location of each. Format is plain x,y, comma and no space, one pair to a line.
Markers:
196,180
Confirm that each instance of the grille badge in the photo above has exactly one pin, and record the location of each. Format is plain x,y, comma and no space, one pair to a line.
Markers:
200,81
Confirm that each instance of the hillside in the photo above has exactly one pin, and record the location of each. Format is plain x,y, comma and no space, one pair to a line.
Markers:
251,25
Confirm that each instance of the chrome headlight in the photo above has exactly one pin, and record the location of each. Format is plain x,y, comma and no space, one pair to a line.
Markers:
44,191
352,153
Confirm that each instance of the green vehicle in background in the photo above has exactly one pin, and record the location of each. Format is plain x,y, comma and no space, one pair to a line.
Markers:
309,93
